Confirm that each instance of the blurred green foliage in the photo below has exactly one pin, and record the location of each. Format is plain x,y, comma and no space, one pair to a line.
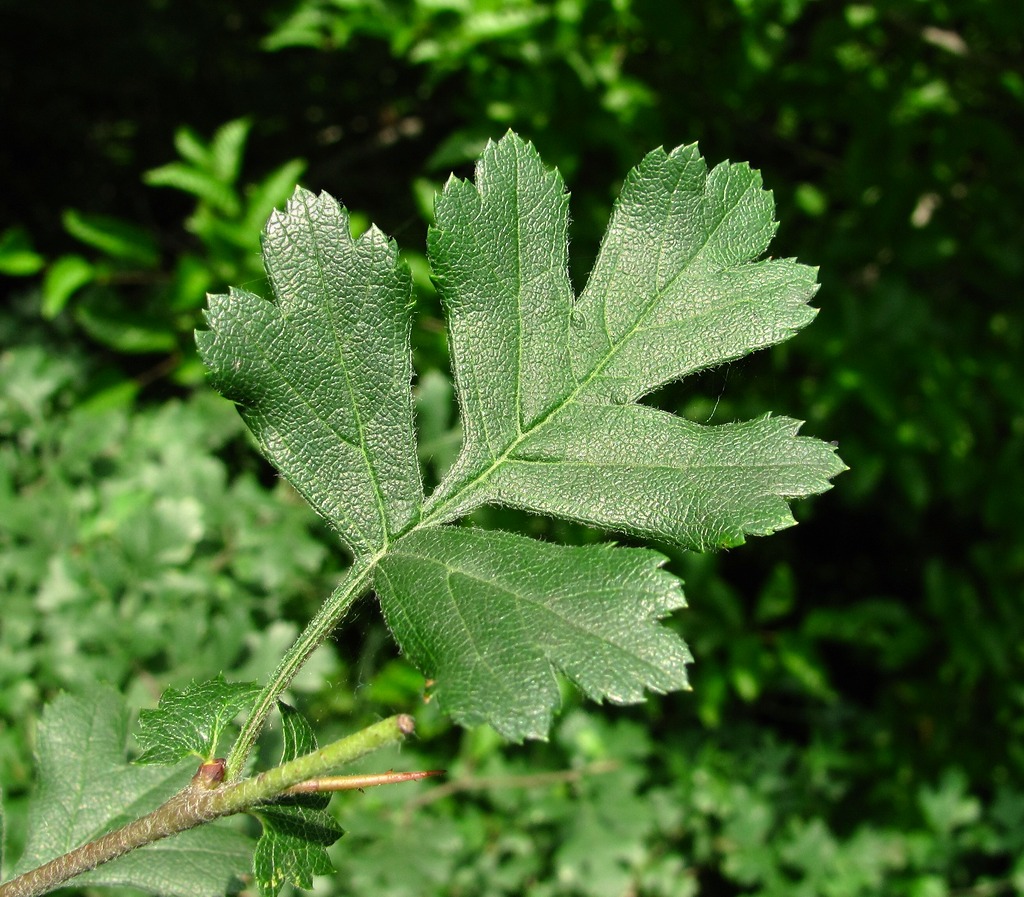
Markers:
856,721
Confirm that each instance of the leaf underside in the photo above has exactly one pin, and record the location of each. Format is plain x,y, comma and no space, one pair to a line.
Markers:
548,387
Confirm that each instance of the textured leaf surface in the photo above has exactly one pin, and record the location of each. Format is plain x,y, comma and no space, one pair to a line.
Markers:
190,722
547,387
296,831
547,384
323,374
293,847
649,473
491,616
676,286
87,788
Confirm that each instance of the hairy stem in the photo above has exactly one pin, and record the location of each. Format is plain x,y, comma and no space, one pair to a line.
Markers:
317,630
178,814
203,800
238,796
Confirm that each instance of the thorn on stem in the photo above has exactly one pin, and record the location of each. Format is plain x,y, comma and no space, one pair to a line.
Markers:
358,783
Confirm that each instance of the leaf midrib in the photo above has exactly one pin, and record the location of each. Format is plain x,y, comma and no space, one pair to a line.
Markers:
342,362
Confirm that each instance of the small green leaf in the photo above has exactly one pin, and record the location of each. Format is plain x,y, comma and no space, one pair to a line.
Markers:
103,315
64,278
21,263
296,831
191,148
17,258
492,616
119,239
192,280
191,722
269,193
87,788
293,847
305,27
201,184
297,734
227,147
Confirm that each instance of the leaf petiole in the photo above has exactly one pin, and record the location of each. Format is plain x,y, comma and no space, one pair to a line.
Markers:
317,630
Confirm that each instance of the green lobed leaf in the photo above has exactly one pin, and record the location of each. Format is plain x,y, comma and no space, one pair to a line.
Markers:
296,831
323,375
551,423
643,471
677,286
86,788
191,722
491,616
548,388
